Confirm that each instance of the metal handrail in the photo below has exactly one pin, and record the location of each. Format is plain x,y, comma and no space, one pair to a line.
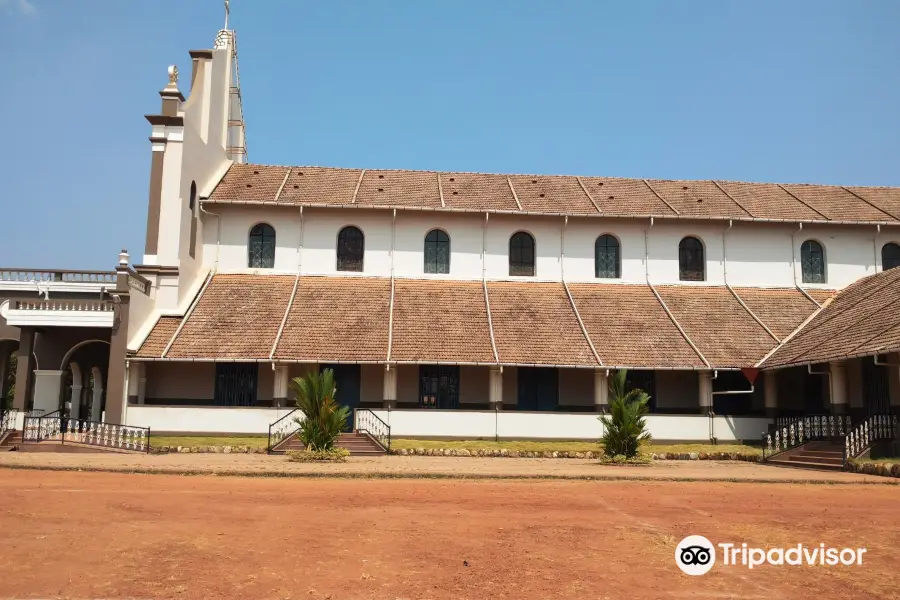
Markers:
796,432
872,429
370,423
282,430
58,275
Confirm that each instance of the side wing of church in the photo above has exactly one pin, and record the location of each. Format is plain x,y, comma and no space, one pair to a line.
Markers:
452,304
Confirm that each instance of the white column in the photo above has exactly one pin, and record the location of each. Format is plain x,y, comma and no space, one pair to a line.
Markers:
47,388
134,380
838,387
280,393
705,395
389,395
601,390
142,385
75,401
495,393
97,400
4,363
770,392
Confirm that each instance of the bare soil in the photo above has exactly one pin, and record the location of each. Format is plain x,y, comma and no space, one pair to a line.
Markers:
116,535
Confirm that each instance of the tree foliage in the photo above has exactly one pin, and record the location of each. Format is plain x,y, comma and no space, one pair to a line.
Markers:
323,418
625,428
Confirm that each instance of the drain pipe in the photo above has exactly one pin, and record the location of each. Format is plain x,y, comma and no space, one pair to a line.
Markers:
725,254
484,247
218,233
647,251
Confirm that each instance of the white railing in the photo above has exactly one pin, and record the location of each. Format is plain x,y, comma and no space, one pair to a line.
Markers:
66,305
873,429
31,275
8,420
80,431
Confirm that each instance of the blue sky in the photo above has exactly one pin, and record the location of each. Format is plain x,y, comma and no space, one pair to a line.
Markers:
801,91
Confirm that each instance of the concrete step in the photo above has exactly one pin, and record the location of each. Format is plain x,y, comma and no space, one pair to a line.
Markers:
781,462
822,453
804,458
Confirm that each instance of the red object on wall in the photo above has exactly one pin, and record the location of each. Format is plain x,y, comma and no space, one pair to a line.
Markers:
751,374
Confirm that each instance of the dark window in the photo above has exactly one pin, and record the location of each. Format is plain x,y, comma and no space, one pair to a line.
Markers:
890,256
691,262
521,254
538,388
736,404
606,257
350,249
191,203
637,379
437,252
262,247
236,384
438,386
812,262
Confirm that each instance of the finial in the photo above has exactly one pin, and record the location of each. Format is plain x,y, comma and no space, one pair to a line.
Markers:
173,76
123,258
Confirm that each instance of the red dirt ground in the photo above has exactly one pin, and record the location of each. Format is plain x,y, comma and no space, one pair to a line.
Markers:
105,535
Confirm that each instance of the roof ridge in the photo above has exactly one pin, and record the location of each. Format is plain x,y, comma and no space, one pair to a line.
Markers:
678,325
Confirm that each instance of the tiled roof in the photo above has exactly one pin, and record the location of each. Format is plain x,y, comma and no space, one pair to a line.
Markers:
629,327
440,323
534,324
863,318
159,337
782,310
348,319
236,317
337,319
555,194
724,332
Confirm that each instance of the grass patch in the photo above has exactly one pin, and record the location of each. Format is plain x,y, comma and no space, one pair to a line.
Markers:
557,446
254,441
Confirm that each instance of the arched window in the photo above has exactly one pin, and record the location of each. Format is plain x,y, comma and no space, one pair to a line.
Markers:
262,247
691,261
350,249
521,254
606,257
812,262
437,252
890,256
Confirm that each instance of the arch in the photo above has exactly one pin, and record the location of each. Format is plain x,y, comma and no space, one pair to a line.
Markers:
691,259
261,247
521,254
437,251
607,257
890,256
351,249
812,262
67,358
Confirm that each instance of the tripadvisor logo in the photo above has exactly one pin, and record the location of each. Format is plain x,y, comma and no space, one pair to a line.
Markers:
696,555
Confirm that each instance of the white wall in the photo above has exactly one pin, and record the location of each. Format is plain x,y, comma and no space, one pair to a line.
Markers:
203,420
560,426
758,254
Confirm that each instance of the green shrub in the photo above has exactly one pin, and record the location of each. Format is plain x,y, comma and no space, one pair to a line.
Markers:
323,418
332,455
624,429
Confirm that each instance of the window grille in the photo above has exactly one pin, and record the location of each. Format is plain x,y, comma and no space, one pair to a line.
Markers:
691,260
262,247
438,386
437,252
350,250
521,254
606,257
812,262
236,384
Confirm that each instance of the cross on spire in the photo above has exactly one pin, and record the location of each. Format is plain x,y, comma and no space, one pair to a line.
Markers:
227,12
